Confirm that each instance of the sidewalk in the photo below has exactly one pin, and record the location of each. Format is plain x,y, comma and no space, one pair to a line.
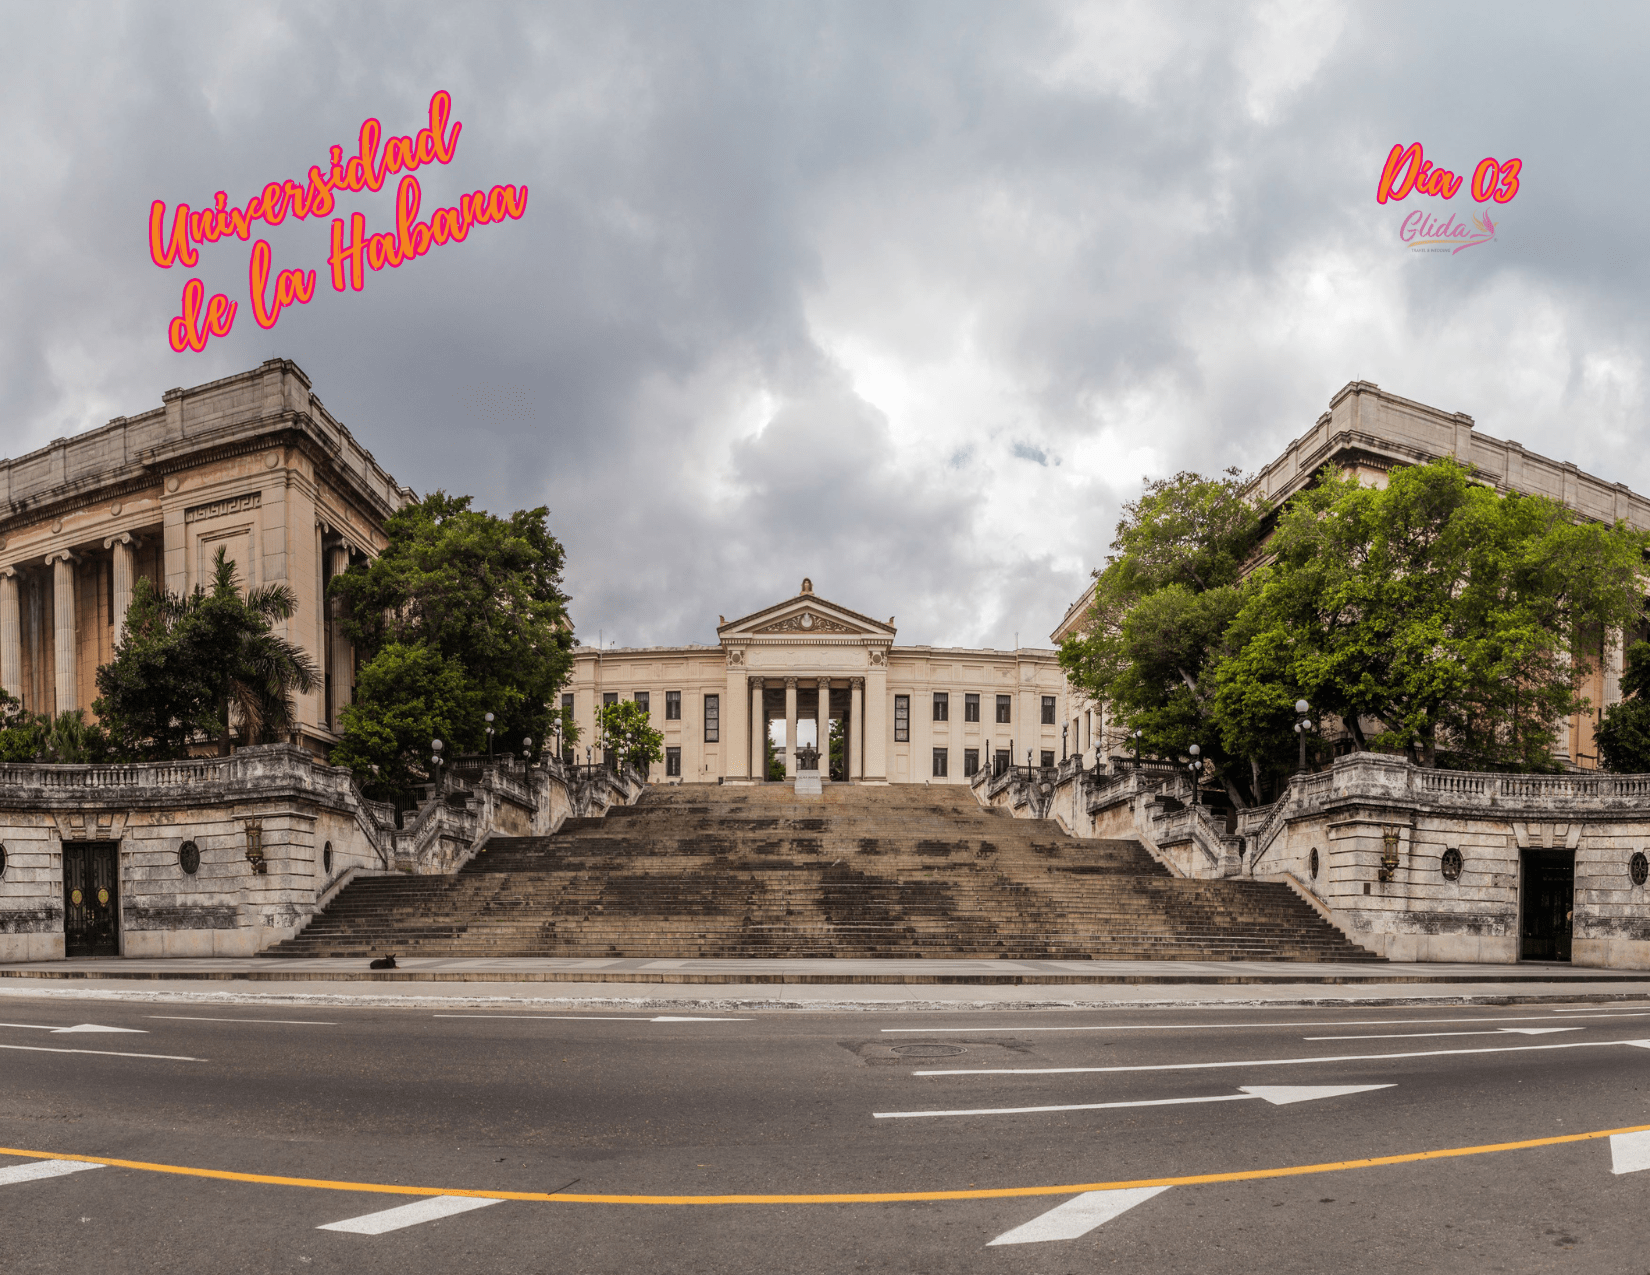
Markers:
893,984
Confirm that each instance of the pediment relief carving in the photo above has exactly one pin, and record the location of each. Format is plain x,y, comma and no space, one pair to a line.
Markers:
806,622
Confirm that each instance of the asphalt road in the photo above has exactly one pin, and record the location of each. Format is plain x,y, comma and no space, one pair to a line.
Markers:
806,1105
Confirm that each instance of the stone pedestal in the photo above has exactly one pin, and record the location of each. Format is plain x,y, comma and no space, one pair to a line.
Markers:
808,785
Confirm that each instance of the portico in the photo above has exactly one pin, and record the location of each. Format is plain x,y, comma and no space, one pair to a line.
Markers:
908,714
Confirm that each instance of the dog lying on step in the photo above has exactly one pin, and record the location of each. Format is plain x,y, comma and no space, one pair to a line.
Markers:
383,963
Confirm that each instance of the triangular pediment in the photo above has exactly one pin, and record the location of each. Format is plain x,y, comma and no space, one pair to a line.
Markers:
805,615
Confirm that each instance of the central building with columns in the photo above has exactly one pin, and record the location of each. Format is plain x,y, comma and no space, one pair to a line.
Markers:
781,675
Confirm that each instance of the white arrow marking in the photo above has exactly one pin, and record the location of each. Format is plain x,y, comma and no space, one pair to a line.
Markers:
41,1169
426,1210
1514,1031
1629,1152
1282,1062
1078,1215
1277,1095
83,1027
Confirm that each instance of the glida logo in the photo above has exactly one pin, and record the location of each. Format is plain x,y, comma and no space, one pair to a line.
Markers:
1408,171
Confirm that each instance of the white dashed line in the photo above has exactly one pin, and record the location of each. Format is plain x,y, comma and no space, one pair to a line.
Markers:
1277,1095
41,1169
1078,1215
1172,1027
283,1022
426,1210
597,1018
1515,1031
103,1053
1281,1062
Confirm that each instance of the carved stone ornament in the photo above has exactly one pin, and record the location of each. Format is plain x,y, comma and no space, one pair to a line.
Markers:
736,657
878,658
805,622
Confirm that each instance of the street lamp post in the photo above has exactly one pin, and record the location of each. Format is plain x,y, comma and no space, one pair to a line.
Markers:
1137,735
488,718
1064,727
1302,726
527,749
1196,767
435,762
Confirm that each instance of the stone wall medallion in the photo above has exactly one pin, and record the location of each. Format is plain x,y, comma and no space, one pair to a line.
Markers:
1638,867
2,860
1312,863
189,857
1450,864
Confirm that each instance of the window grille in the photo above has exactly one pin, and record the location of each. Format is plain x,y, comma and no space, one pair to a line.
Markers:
713,718
942,706
673,763
1048,710
902,719
1005,708
941,763
971,708
1048,758
645,700
673,706
971,762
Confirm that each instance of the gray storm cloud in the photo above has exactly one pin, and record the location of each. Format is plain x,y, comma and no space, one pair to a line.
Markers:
830,289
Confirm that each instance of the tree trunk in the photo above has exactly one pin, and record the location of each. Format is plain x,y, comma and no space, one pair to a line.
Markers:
1254,778
1357,732
223,726
1232,792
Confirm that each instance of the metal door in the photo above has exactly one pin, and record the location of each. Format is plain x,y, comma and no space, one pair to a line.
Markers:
1548,905
91,902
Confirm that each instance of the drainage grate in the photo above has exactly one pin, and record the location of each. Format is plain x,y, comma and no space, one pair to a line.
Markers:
928,1051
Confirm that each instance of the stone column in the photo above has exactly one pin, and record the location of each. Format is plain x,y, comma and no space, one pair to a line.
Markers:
338,646
876,718
11,634
856,729
122,580
790,728
824,719
1614,661
759,731
1563,726
62,564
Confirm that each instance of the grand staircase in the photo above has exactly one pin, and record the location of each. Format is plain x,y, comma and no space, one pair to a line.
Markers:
897,871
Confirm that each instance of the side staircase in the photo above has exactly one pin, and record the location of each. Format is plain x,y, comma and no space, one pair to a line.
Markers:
898,871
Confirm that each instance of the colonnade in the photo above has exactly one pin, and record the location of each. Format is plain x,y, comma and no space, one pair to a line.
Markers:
63,564
854,724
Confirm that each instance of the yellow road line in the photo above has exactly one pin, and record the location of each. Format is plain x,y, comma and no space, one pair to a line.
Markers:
866,1197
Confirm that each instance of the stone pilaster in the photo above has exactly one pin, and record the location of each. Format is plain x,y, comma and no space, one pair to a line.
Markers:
759,731
340,657
11,634
824,720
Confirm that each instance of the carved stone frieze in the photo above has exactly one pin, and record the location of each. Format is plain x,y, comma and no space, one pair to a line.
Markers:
805,622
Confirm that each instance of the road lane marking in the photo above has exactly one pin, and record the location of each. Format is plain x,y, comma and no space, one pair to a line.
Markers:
1078,1216
1277,1095
283,1022
102,1053
598,1018
866,1197
1280,1062
83,1027
41,1169
437,1206
1515,1031
1629,1152
1158,1027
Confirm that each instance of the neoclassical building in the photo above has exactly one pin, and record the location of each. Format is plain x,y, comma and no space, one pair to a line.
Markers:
253,464
909,714
1369,432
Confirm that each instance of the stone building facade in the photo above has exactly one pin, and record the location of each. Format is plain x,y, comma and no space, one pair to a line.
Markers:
253,464
910,714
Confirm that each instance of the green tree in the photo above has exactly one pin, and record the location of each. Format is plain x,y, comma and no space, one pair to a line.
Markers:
627,732
68,739
1624,735
203,663
405,696
1431,616
1162,604
483,593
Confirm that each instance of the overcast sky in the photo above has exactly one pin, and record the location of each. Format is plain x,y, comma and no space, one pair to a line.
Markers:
907,298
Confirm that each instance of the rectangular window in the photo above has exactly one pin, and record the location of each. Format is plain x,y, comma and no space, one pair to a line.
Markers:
610,697
713,718
971,762
610,759
942,762
999,762
942,706
971,708
673,763
645,699
567,703
1005,706
1048,710
1048,758
902,719
673,706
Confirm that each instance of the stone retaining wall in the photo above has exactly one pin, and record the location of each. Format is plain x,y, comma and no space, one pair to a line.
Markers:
264,821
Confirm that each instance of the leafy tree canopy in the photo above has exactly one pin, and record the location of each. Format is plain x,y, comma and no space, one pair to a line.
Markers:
1624,735
69,739
484,595
627,731
202,663
405,697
